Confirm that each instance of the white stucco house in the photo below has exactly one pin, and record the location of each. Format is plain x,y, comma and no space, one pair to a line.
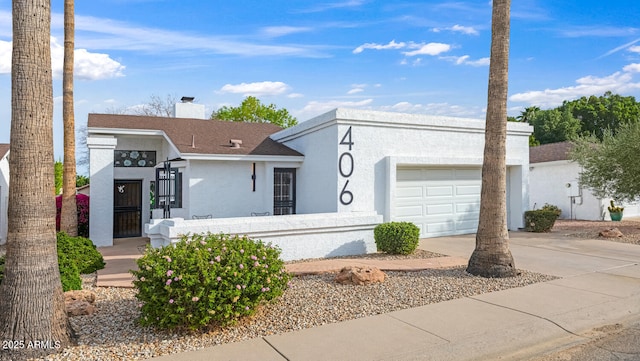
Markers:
553,179
4,191
324,183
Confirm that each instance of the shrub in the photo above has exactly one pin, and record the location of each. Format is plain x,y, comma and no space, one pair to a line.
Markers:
207,279
76,255
82,251
82,205
552,208
540,220
396,237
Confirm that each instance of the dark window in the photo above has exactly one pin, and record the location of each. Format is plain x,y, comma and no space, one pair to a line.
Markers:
284,191
168,188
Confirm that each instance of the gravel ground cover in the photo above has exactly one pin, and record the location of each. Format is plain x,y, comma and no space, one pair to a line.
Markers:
112,332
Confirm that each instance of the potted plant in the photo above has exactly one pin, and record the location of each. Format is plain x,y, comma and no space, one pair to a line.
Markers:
615,212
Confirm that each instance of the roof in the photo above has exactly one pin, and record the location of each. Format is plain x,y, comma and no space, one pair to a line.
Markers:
550,152
4,149
201,136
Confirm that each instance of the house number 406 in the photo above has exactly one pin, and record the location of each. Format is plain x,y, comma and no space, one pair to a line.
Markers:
345,167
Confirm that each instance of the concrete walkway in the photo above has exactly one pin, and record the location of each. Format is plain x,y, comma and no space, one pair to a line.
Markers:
600,285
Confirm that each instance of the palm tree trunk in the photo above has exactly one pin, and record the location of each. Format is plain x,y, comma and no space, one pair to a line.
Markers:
492,257
31,297
69,212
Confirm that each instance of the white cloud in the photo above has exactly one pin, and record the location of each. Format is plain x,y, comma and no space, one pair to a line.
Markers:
634,49
464,60
459,29
618,82
429,49
277,31
315,108
295,95
264,88
87,65
357,88
444,109
392,45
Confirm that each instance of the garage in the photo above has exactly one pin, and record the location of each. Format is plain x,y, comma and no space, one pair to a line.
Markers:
440,201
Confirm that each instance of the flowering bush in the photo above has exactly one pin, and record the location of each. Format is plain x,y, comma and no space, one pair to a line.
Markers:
82,204
207,279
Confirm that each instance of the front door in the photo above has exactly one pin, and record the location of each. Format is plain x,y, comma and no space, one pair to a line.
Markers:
284,191
127,208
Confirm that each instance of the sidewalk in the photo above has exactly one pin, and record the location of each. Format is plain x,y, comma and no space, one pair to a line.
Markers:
600,285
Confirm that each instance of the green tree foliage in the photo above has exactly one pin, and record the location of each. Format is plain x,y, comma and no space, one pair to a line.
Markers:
82,180
253,111
610,167
555,125
59,171
607,112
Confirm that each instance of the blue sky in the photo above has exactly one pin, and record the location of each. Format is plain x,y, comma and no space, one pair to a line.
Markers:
427,57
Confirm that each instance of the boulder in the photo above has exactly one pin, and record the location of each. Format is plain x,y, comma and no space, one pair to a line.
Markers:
79,303
360,275
611,233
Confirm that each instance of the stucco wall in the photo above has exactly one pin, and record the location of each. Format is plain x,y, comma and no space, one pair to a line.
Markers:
299,236
4,198
548,184
380,142
101,192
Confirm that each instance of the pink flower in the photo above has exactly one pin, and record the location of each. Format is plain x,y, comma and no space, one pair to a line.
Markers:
169,281
211,262
256,264
142,279
219,279
254,258
176,278
238,286
246,308
241,266
169,273
242,251
171,300
217,258
195,299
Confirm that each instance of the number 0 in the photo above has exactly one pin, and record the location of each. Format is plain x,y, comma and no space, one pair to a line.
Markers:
342,171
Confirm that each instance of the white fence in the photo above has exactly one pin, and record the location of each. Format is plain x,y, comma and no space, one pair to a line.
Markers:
299,236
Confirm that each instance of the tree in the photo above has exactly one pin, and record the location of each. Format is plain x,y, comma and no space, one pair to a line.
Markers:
156,107
253,111
81,180
492,257
610,167
69,213
555,125
528,114
31,298
58,174
607,112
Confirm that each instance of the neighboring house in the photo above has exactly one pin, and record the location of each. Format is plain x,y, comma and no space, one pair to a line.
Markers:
553,179
4,191
402,167
85,189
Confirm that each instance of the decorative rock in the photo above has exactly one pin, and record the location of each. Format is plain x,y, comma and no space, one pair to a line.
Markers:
611,233
79,303
80,295
360,275
79,308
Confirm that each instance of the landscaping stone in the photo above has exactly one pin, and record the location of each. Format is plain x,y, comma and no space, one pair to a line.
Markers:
360,275
611,233
79,303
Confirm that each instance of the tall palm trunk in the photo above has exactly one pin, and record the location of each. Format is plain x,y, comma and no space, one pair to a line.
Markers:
31,297
68,213
492,257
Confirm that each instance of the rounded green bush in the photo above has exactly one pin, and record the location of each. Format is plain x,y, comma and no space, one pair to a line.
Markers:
540,220
211,279
81,251
396,237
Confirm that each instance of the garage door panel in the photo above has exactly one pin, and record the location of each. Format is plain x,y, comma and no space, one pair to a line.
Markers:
439,191
409,192
409,211
465,190
448,203
438,209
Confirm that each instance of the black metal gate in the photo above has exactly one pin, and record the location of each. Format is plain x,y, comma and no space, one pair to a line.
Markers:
284,191
127,208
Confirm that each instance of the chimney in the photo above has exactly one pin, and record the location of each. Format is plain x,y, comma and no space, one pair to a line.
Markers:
188,109
235,143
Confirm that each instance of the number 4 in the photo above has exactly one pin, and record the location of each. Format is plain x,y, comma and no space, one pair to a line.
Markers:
346,139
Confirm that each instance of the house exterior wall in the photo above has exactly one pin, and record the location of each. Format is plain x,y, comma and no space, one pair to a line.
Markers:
4,198
379,142
101,192
548,184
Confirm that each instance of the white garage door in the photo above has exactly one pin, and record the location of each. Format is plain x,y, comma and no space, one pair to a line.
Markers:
441,201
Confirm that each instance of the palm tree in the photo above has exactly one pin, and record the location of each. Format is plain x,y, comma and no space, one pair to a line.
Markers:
31,297
492,257
69,212
528,114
